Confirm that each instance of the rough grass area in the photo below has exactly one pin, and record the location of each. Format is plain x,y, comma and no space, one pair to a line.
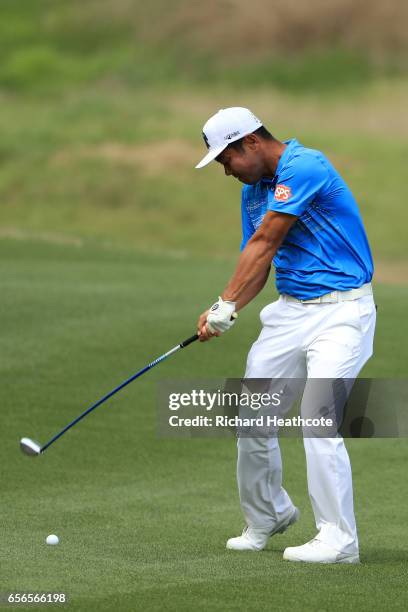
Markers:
111,165
49,46
143,521
103,104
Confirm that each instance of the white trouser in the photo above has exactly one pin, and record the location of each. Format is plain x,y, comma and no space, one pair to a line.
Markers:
328,340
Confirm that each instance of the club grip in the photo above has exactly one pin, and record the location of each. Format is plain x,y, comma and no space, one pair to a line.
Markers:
195,337
189,341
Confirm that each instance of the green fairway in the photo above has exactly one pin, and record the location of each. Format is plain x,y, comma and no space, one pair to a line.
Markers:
143,521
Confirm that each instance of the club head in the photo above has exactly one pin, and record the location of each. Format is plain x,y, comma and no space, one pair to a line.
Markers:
30,447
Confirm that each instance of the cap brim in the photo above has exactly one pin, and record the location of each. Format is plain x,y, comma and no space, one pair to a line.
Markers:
211,155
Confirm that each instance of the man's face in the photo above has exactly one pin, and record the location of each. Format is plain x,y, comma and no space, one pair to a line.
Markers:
244,164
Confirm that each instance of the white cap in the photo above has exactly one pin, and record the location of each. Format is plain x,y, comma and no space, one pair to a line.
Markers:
226,126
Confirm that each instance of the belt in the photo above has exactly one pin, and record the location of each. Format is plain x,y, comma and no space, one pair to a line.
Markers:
334,296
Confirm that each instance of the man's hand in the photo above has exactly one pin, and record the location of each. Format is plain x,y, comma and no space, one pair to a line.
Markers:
213,322
220,316
203,332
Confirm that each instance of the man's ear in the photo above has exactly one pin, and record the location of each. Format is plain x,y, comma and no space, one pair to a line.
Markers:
251,141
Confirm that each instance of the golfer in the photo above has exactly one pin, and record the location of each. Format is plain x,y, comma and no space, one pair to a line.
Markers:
298,213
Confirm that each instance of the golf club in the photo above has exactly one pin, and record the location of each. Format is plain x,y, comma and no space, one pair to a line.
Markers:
32,448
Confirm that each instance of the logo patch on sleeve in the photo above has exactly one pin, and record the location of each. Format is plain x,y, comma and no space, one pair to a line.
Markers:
282,193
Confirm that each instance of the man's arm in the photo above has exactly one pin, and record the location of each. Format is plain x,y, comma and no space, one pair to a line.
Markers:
253,264
252,290
255,260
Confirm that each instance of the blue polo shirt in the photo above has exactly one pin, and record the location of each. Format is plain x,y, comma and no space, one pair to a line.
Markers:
327,248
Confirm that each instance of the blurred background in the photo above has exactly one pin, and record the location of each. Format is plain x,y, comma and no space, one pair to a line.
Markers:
102,105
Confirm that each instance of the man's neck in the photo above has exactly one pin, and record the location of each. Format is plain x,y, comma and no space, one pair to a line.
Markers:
273,152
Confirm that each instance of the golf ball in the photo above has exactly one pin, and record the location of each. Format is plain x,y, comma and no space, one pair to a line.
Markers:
52,540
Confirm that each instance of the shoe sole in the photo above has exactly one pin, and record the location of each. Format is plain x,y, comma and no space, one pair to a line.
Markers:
355,559
243,549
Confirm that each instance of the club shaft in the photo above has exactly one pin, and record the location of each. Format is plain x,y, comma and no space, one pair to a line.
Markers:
121,386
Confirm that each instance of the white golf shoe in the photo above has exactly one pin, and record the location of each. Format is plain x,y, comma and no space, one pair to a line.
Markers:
317,551
256,539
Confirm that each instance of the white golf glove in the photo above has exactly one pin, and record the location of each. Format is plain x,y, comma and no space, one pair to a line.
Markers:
221,316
